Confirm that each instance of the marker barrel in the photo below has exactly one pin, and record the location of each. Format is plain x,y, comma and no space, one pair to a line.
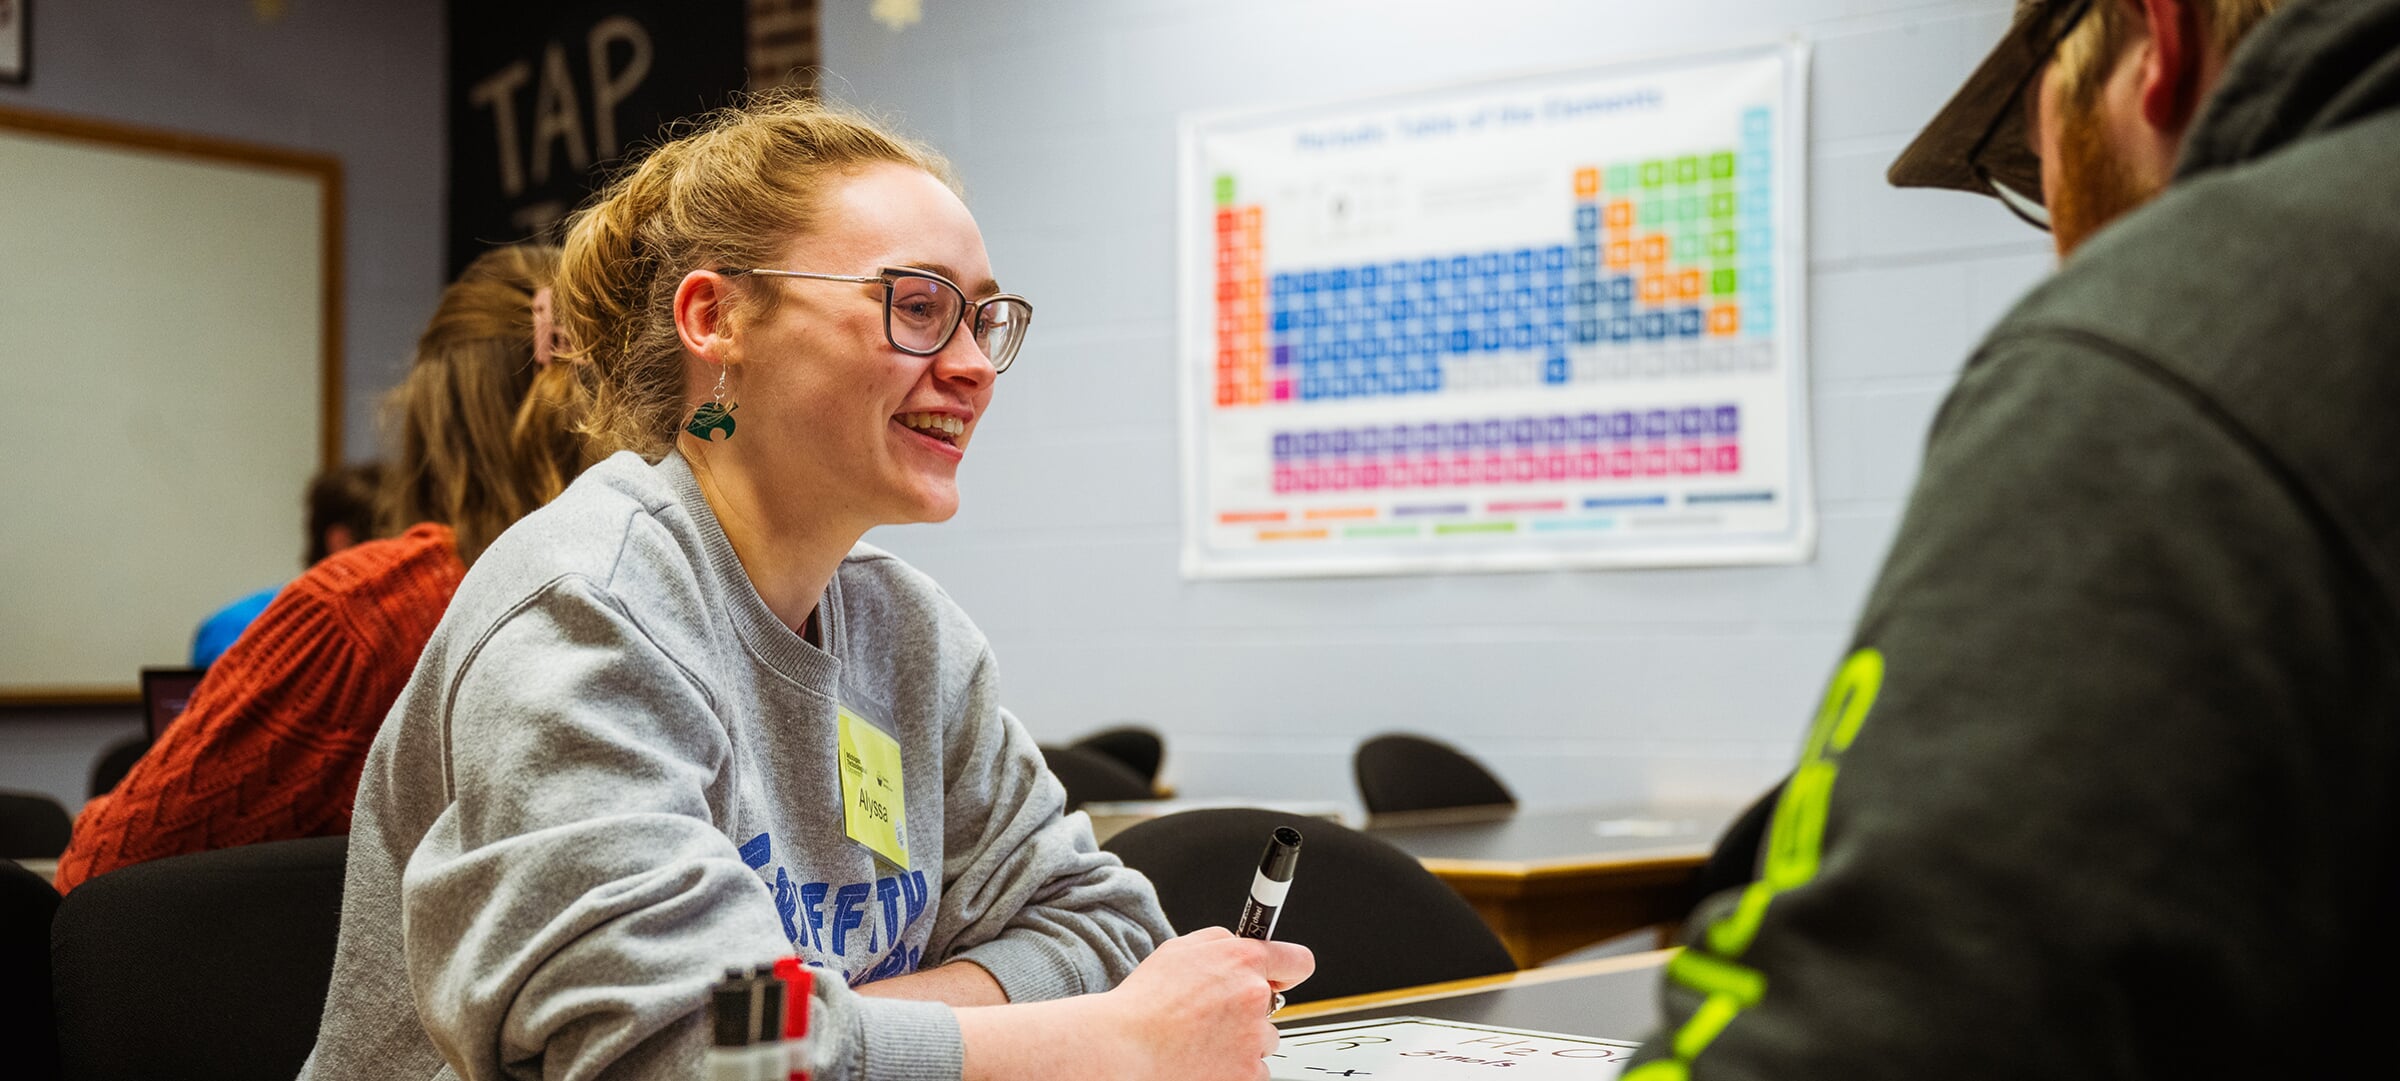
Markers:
1270,885
731,1003
768,1059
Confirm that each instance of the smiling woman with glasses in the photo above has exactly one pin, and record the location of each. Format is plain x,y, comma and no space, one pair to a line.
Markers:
683,720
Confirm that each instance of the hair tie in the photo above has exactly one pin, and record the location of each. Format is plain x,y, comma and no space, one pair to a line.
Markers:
545,330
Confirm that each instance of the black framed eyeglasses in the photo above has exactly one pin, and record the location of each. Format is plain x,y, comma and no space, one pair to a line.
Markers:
922,310
2003,158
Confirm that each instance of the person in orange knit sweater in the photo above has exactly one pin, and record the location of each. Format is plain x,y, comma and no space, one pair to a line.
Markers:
271,745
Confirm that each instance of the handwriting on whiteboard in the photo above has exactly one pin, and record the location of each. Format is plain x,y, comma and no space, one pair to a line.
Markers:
1426,1049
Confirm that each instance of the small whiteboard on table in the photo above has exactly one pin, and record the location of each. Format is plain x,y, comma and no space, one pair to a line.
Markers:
1426,1049
1550,321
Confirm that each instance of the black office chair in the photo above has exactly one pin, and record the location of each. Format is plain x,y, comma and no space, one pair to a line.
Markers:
1733,863
115,763
211,966
32,826
1092,777
1399,772
27,905
1138,747
1374,916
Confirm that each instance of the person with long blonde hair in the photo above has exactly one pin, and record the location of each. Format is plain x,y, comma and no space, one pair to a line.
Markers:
683,719
271,744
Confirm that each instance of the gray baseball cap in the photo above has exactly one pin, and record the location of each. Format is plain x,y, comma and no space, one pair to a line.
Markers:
1979,140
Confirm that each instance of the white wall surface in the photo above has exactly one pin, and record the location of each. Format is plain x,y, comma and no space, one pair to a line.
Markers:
1575,686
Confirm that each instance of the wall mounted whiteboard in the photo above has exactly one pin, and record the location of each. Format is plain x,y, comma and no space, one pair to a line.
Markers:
169,365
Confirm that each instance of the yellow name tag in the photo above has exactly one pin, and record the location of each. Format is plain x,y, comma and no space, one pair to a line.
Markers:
874,804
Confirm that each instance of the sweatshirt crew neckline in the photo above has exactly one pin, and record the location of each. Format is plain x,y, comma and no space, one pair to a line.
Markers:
778,645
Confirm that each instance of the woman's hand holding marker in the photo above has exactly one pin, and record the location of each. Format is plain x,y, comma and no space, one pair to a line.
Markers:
1196,1010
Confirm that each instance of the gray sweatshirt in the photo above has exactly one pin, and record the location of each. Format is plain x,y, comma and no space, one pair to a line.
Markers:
615,773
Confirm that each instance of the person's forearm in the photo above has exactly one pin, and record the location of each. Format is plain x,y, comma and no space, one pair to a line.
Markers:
959,983
1054,1041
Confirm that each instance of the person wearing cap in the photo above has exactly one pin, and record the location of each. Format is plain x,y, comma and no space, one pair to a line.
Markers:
2110,783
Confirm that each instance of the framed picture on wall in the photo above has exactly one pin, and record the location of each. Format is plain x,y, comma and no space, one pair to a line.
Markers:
14,65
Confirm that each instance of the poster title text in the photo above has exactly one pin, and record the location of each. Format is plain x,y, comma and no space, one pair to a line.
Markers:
1474,119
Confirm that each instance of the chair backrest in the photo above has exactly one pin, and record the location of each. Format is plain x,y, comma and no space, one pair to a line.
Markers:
27,905
1138,747
1400,772
116,762
1092,777
1733,863
1374,916
207,966
32,826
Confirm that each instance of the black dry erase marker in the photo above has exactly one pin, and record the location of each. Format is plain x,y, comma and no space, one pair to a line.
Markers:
768,1062
1267,887
730,1004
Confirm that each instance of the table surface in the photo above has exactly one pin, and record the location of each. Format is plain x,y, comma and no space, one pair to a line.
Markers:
1532,841
1110,818
1613,998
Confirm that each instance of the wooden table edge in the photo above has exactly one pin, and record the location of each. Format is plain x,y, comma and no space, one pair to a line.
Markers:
1599,966
1657,859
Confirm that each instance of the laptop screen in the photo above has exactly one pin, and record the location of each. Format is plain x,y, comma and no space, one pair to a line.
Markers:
164,693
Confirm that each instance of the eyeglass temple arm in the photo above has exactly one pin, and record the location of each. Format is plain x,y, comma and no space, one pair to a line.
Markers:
736,272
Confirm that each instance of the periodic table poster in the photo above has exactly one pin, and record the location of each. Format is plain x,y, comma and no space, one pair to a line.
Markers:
1545,322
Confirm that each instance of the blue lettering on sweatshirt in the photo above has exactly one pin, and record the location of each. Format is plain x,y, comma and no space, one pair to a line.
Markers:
901,962
913,890
854,907
847,913
787,901
812,902
887,890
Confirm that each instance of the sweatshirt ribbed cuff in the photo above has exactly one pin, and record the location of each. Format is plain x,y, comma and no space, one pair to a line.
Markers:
1029,968
907,1040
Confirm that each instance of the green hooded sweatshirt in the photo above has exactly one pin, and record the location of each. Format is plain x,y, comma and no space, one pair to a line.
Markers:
2110,785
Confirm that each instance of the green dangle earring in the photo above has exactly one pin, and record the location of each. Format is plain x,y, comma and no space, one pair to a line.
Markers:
713,418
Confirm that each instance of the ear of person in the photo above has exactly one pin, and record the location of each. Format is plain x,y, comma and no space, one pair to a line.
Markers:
703,314
703,323
2172,64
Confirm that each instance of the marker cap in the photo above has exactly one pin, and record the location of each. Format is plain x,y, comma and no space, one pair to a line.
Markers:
1282,855
770,1005
798,984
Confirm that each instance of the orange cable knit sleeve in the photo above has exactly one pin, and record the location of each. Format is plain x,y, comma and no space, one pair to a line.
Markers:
272,744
